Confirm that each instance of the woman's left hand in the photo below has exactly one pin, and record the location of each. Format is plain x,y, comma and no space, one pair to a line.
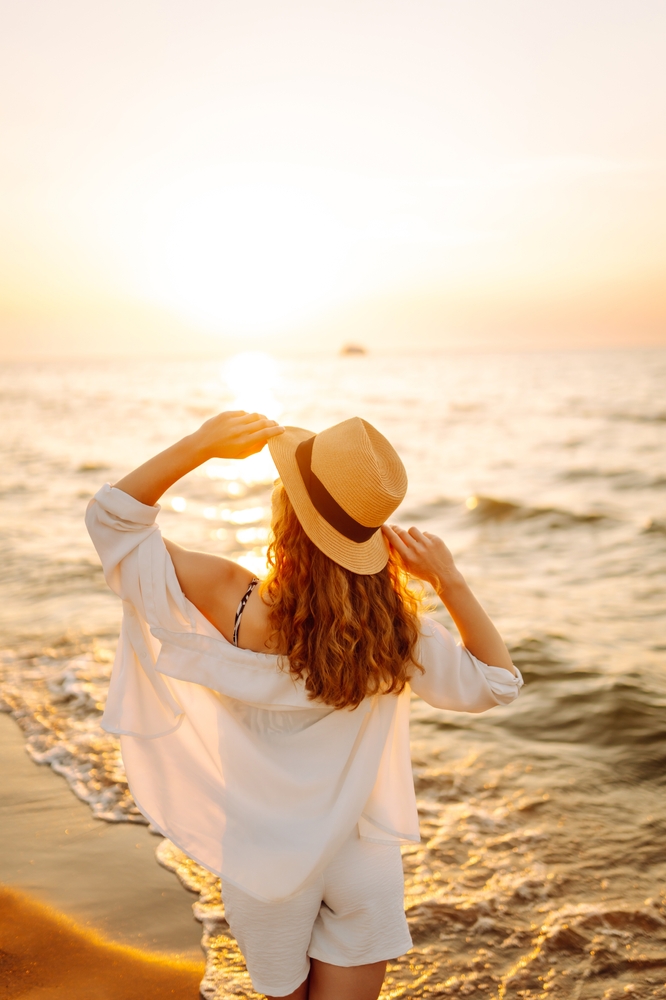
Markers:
234,434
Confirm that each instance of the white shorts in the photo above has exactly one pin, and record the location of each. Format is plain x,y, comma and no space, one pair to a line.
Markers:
351,914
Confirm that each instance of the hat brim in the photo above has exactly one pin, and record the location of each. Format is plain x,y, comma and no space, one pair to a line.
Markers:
359,557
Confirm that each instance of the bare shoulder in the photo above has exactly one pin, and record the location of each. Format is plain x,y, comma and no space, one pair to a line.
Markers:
203,567
212,583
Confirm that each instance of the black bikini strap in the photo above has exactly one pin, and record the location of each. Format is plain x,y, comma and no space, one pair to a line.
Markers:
241,607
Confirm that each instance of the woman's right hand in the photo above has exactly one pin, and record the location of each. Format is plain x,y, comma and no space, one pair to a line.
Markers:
424,556
234,434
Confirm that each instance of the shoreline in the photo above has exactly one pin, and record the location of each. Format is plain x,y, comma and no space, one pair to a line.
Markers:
44,953
102,876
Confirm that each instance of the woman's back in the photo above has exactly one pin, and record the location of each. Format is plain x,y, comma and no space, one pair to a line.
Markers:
216,586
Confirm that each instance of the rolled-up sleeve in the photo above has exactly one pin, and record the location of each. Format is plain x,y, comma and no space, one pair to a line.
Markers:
117,525
136,564
454,679
138,568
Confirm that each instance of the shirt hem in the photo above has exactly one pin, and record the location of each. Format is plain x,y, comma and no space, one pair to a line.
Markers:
408,838
115,731
214,871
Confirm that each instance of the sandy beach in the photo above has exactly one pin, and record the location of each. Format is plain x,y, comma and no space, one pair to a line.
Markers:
84,903
44,955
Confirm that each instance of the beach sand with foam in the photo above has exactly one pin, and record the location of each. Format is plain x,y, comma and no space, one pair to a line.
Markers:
84,906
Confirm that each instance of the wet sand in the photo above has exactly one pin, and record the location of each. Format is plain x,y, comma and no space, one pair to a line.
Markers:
104,876
45,956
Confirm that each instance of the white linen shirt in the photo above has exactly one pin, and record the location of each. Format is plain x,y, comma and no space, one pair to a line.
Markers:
224,752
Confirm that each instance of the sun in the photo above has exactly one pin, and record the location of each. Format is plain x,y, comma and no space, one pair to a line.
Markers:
252,256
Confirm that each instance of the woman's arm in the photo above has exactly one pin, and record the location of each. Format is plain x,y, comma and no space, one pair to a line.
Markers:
234,434
427,557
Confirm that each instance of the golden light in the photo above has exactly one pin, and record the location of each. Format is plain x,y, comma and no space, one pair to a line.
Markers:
252,536
249,255
247,381
255,562
219,470
252,378
289,177
249,516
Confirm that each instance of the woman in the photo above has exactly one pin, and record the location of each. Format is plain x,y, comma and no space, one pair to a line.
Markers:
264,729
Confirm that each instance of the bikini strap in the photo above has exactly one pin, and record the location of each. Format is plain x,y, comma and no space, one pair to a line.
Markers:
241,607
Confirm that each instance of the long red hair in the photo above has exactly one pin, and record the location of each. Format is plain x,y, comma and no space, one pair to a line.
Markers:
345,634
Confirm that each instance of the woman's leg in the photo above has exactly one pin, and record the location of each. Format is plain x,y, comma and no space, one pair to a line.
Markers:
301,993
335,982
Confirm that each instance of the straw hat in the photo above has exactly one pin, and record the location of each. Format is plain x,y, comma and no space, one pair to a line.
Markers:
343,484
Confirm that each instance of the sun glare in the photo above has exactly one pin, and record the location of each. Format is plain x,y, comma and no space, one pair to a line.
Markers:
252,378
255,562
251,256
248,381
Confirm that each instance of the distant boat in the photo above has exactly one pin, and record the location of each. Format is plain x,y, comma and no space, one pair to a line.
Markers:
352,349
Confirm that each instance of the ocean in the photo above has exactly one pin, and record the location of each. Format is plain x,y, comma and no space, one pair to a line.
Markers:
542,868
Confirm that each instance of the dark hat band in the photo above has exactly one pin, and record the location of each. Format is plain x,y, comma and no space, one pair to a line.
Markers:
324,503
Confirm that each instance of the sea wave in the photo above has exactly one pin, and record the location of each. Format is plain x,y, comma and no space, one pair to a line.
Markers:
659,417
621,717
654,526
635,416
544,657
479,508
39,577
92,467
427,510
57,696
619,479
486,508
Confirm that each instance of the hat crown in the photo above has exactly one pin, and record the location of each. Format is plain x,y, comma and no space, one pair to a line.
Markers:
360,469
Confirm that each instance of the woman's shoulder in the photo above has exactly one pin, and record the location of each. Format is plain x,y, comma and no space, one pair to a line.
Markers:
213,584
204,566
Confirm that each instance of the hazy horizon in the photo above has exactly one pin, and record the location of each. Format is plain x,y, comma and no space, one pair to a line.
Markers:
422,175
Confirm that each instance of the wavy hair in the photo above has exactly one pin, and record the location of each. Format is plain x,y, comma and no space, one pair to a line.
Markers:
347,635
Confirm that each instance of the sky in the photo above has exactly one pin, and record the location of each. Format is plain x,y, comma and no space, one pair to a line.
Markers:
411,174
